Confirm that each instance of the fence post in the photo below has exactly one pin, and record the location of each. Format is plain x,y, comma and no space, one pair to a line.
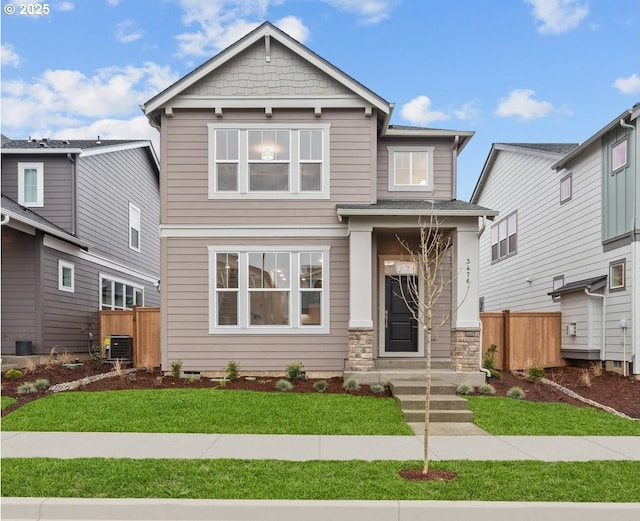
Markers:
506,347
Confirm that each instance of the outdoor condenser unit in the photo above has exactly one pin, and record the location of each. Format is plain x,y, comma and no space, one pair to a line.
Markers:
119,347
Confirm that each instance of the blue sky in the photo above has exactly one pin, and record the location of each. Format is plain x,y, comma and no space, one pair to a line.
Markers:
510,70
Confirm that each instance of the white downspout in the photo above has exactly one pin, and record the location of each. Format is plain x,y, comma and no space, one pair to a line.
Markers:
5,220
485,371
603,348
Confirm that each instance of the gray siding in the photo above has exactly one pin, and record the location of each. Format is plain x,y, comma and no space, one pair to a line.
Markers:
58,186
186,315
107,183
185,168
619,189
19,285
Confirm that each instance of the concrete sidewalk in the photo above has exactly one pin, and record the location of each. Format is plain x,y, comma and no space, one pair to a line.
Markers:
316,447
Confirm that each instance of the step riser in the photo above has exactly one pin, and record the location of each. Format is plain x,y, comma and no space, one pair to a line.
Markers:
439,416
434,403
421,389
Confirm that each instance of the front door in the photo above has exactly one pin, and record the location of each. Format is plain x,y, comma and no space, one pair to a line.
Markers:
401,329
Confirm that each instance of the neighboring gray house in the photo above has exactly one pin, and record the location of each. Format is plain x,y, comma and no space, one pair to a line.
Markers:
79,234
284,188
567,239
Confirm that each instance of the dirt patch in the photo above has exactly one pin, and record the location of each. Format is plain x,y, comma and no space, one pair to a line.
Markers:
606,388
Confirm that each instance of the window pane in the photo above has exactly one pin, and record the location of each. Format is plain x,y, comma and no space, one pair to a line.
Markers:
311,145
107,294
66,277
227,145
269,308
512,224
268,145
135,238
619,155
616,276
227,175
227,308
129,297
503,247
227,270
565,189
310,177
139,294
401,165
119,295
310,270
271,177
30,185
494,252
418,168
310,313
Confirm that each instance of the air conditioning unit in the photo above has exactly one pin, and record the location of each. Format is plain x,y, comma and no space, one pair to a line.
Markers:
119,347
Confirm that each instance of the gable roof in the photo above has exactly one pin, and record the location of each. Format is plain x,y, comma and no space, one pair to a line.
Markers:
266,31
553,151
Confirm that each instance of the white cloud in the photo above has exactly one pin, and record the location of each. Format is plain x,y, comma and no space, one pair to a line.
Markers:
369,11
65,6
418,111
113,3
520,103
68,98
558,16
9,57
630,85
294,27
127,32
467,112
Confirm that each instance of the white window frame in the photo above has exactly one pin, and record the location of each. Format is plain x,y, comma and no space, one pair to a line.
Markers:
617,166
135,223
622,263
393,186
62,266
566,179
126,284
295,191
39,167
295,320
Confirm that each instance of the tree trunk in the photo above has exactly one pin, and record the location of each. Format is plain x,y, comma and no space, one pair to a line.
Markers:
427,407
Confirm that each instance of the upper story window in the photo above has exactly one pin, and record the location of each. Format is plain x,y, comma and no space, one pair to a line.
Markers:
410,169
274,161
31,184
118,294
566,186
268,290
619,155
66,276
617,275
558,282
134,227
504,235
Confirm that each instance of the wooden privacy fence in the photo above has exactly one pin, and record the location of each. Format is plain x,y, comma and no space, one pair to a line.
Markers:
140,323
524,339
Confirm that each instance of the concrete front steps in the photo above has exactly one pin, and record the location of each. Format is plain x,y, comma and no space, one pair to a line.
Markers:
445,405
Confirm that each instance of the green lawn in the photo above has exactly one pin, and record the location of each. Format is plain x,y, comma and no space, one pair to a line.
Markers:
506,416
5,401
600,481
209,411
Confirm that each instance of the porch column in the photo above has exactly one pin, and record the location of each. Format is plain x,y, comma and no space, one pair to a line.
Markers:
466,319
360,356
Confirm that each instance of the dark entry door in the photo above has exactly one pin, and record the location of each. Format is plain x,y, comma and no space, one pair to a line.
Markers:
401,329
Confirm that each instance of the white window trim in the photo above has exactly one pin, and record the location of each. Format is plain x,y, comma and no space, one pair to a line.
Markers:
392,186
624,142
40,188
295,327
61,267
294,174
119,281
496,227
133,210
568,178
612,265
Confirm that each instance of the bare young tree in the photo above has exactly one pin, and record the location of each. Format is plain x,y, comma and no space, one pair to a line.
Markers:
422,292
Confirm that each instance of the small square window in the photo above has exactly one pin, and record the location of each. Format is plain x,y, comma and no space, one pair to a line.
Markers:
66,276
566,189
410,168
617,275
619,155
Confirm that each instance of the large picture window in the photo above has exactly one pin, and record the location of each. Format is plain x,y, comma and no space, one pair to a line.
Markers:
269,161
504,235
268,290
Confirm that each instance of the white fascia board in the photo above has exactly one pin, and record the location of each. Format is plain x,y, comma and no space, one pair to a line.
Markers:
44,228
438,213
41,151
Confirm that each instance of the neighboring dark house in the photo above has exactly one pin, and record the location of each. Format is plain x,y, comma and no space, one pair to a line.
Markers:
79,234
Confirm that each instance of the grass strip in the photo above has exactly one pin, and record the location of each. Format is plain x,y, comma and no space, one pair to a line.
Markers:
506,416
5,401
209,411
594,481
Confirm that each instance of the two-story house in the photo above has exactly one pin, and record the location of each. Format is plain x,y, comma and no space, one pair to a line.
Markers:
567,239
79,235
284,190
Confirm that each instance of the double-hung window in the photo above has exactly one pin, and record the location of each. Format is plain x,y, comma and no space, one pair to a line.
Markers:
269,161
504,236
410,168
134,227
31,184
268,290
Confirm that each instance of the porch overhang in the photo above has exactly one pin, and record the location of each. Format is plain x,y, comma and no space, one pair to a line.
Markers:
415,208
592,284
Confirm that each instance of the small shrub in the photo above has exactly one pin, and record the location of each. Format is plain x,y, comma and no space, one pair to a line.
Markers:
516,393
351,385
536,373
13,374
487,389
495,373
320,386
158,381
27,388
464,389
376,388
585,377
596,369
176,368
222,382
117,367
147,363
192,378
263,382
284,385
489,359
294,371
29,366
96,355
233,370
42,384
